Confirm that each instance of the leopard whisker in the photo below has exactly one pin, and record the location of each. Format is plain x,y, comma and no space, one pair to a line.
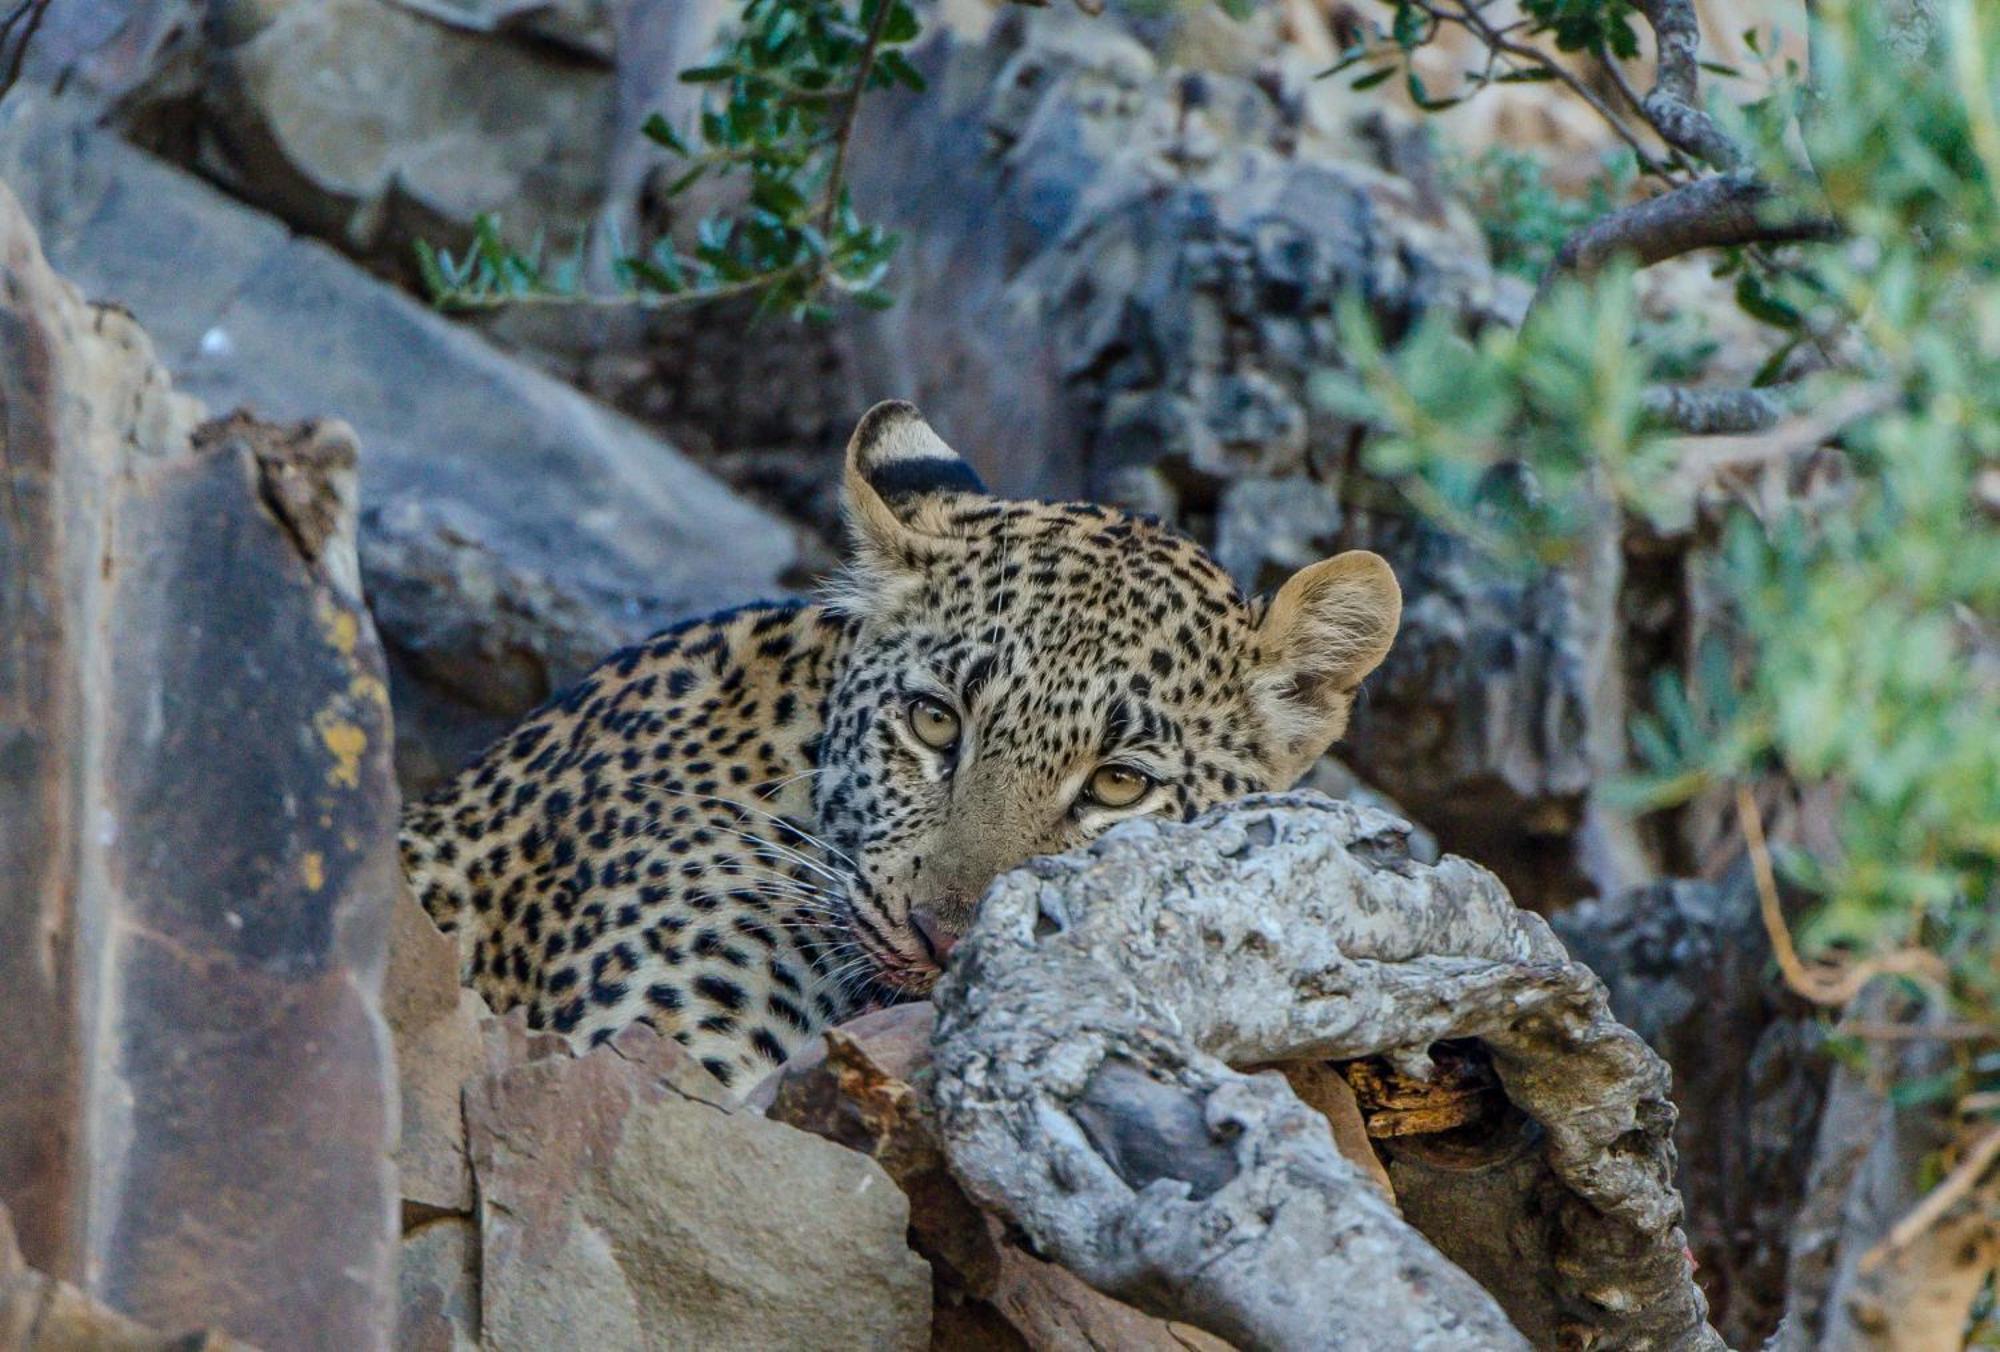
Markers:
759,842
817,842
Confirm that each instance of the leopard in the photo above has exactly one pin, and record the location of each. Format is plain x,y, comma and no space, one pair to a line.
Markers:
757,825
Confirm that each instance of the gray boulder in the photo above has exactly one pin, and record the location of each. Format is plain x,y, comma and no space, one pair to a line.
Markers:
586,530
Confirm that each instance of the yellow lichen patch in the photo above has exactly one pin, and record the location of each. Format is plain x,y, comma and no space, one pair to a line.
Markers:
346,741
369,689
343,629
312,867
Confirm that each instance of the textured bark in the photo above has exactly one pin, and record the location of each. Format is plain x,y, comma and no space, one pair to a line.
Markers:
869,1087
1689,969
1084,1092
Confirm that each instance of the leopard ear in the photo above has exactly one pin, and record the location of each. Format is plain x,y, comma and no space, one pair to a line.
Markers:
901,480
1327,628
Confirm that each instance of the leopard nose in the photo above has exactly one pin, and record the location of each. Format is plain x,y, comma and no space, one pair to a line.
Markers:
932,932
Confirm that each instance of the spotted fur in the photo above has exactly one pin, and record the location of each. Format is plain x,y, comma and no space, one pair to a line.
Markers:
735,831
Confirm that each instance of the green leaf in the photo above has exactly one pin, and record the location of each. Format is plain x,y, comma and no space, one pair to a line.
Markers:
1351,57
1421,97
658,130
708,74
431,271
901,26
1623,41
1408,26
1239,10
1373,78
900,70
667,281
1927,1089
1758,301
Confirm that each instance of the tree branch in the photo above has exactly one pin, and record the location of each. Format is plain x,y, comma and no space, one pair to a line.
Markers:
1720,211
1713,412
1674,105
844,133
1469,15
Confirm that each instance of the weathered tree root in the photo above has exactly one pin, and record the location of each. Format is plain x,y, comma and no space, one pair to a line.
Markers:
1084,1092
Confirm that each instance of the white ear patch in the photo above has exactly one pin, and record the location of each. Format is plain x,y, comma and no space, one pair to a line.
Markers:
894,453
901,479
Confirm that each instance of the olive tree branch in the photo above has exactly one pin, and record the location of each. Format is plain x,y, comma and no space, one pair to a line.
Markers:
1673,107
844,132
1719,211
1713,412
1469,15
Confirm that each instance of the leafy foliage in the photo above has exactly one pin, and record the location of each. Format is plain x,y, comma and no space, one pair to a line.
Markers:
787,85
1602,29
1524,217
1867,663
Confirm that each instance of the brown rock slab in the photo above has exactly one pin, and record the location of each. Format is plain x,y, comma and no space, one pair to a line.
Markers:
437,1286
40,1314
620,1206
197,1114
436,1024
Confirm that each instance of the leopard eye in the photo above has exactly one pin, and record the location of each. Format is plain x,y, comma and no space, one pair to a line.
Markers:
934,723
1118,786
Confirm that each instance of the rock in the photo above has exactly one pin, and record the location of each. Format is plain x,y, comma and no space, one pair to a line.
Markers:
1479,720
437,1286
477,638
440,1044
616,1210
1130,238
444,1036
372,124
865,1086
39,1314
1268,529
613,1199
198,1110
506,513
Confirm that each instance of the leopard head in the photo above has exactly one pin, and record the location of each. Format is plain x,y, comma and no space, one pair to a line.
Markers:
1025,675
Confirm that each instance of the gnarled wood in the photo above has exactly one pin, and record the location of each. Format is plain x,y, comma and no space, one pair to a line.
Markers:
1083,1048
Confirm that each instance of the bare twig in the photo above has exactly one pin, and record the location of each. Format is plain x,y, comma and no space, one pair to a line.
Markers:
845,131
466,298
1615,72
1955,1186
1822,986
1914,1032
1699,457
